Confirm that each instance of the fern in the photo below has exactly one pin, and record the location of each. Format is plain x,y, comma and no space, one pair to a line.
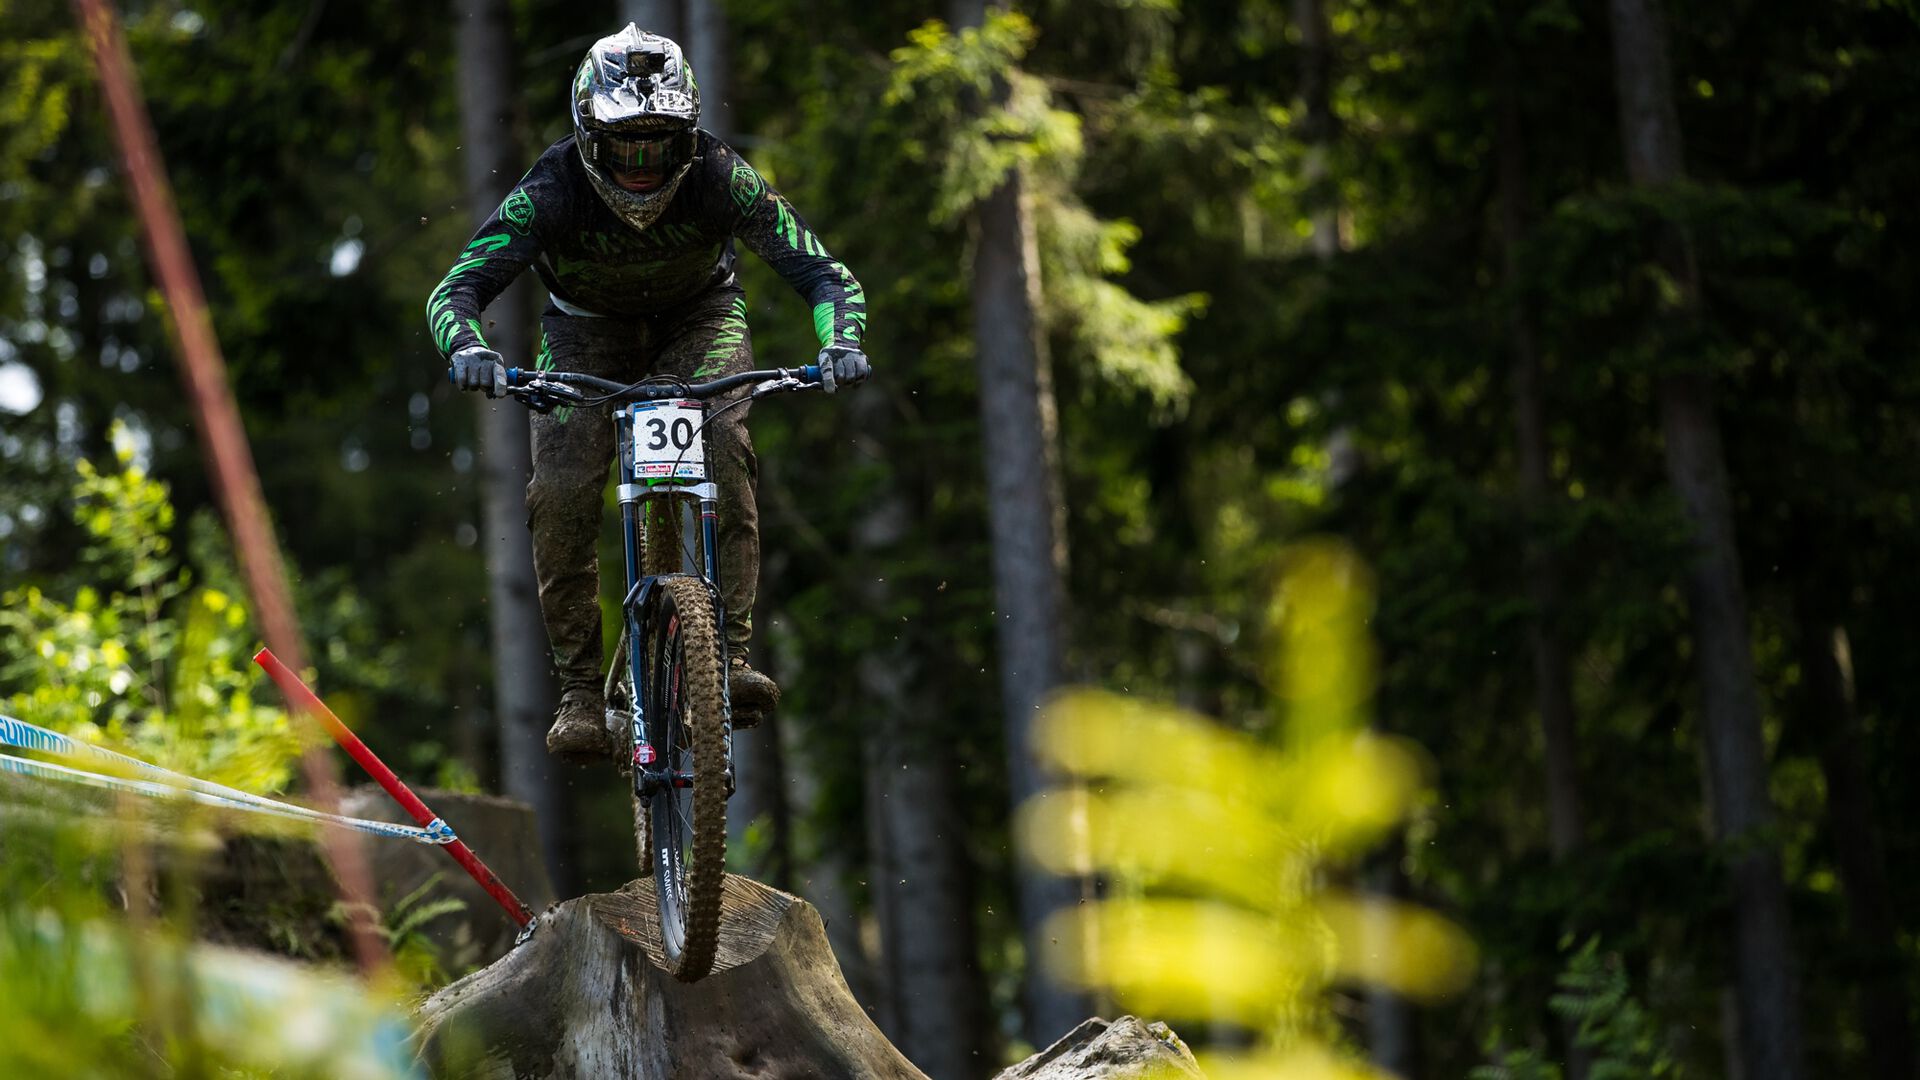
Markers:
1622,1039
1625,1040
403,926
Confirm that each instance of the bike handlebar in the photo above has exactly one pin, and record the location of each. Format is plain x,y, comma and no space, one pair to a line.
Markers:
563,387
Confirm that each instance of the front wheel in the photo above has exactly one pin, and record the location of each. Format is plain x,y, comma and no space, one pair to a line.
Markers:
686,715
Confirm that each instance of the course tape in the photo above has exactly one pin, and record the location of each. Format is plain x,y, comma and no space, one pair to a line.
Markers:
165,783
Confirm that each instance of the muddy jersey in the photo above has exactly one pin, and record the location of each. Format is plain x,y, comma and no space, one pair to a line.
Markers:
595,264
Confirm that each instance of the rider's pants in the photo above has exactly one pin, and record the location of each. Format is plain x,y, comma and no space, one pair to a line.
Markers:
573,450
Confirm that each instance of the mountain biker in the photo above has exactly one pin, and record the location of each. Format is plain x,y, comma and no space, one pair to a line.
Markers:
629,223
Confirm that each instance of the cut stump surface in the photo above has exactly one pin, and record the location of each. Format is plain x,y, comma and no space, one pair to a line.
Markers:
588,996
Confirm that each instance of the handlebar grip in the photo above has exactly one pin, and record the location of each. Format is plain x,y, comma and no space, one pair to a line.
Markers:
513,376
810,373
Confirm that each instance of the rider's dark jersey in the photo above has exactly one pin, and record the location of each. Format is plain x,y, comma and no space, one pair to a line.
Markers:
592,262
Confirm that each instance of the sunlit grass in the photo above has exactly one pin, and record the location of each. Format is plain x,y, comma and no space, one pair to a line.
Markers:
1219,853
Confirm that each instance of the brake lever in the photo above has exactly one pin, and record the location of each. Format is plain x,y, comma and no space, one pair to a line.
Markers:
543,397
789,384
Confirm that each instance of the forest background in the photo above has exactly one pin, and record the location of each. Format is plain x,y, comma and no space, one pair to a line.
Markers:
1579,322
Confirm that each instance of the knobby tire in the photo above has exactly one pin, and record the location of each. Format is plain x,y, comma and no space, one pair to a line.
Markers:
687,716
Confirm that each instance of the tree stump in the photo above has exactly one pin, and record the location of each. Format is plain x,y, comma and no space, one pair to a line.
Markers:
1125,1049
587,996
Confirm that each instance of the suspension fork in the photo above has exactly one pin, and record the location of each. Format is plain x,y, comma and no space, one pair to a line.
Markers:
639,598
633,499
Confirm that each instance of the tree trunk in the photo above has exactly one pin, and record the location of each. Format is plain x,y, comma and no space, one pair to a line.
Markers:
660,17
823,872
1552,671
705,27
934,1003
1552,679
1826,661
1026,509
1017,419
1393,1043
523,688
586,996
1736,755
1769,1023
1391,1035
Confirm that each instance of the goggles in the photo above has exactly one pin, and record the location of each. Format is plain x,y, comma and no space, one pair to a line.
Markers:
643,152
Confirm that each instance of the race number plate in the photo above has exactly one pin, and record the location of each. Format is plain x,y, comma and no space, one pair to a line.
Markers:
667,441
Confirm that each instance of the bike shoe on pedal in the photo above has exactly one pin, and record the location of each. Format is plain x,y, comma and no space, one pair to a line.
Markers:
752,694
579,732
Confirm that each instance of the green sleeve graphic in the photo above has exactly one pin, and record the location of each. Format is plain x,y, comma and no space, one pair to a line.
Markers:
493,258
774,230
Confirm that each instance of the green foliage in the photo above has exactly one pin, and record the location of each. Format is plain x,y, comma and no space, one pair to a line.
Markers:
417,958
965,94
154,665
947,77
1622,1039
1623,1036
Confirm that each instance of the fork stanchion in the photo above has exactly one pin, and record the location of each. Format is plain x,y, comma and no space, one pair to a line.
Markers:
304,697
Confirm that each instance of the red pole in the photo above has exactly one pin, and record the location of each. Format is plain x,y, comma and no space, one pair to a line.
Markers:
299,693
223,439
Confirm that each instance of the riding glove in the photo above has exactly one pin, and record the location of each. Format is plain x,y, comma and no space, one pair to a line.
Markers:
478,368
842,366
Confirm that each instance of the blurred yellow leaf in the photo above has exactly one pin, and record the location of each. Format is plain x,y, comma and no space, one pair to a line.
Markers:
1215,848
1191,958
1163,836
1403,947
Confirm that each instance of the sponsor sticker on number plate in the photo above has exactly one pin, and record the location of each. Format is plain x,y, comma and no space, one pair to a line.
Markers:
667,442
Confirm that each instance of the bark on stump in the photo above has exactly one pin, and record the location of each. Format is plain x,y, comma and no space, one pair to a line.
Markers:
1125,1049
587,996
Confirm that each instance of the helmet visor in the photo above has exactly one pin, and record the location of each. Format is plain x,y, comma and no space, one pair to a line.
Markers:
654,153
643,161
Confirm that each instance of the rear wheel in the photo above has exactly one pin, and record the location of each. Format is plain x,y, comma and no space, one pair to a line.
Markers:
687,821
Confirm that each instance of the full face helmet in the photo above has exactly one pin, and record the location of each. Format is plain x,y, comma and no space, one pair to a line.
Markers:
635,107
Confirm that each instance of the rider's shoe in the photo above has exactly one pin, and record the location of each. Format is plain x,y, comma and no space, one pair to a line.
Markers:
579,732
753,695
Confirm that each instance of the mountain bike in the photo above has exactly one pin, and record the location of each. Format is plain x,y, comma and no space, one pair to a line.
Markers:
667,703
